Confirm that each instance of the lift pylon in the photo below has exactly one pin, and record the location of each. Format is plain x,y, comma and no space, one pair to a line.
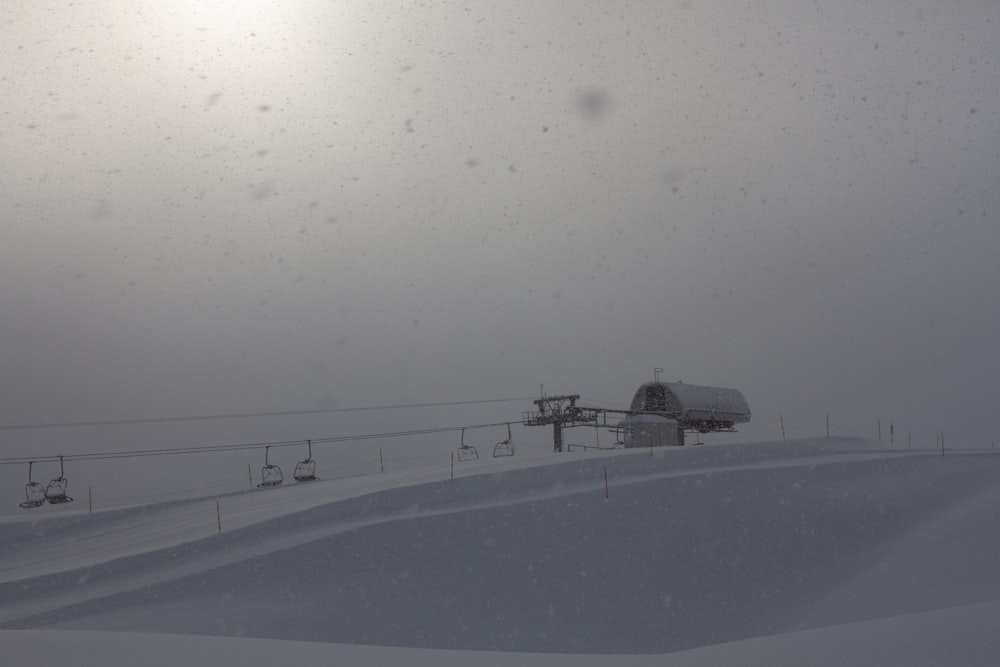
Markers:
561,412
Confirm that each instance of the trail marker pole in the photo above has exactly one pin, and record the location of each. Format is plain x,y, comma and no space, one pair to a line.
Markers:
892,433
381,462
781,420
880,429
90,499
453,465
250,475
605,482
827,424
218,515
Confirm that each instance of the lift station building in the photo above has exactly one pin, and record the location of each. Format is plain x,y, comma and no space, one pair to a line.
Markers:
662,411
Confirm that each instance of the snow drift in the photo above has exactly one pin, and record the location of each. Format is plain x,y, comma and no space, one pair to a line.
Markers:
691,547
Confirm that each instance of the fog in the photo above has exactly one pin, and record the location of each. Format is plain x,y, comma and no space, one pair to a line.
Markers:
213,208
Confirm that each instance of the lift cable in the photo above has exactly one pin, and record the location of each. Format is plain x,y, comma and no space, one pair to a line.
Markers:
247,415
171,451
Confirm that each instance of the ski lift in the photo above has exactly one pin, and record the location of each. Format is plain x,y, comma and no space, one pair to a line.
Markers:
504,447
33,491
55,492
305,471
467,452
270,475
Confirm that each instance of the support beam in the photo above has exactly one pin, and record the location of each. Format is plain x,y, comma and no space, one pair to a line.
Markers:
561,412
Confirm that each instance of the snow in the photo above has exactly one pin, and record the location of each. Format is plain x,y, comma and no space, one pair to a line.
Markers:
829,551
696,402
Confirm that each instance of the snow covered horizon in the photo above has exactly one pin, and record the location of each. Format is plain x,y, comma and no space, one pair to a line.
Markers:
763,548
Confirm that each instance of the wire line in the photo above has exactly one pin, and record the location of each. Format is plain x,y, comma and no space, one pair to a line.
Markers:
247,415
172,451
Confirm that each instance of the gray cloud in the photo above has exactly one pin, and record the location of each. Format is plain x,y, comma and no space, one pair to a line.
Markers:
801,203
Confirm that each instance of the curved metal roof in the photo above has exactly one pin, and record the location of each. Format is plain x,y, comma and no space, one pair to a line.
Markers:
693,406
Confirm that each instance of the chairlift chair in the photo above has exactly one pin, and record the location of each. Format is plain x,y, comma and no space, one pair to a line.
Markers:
467,452
55,492
305,471
33,491
270,475
504,447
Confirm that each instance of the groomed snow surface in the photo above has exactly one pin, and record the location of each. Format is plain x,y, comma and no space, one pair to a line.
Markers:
822,552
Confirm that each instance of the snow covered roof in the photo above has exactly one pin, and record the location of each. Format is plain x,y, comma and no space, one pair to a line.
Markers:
693,406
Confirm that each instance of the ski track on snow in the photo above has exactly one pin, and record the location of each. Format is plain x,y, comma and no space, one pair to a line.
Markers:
137,537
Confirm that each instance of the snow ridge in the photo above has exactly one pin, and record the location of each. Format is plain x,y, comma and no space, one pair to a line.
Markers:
693,547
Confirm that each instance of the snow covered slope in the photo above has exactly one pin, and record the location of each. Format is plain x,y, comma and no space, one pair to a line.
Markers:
692,548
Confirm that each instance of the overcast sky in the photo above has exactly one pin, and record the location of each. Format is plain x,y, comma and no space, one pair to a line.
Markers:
214,207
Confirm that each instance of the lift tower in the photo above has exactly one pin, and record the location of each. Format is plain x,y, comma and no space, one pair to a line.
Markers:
560,411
